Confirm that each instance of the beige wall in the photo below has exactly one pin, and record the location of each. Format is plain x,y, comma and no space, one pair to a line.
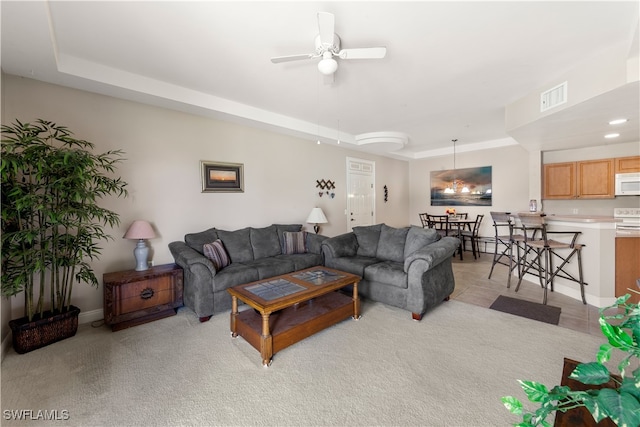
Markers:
510,184
163,150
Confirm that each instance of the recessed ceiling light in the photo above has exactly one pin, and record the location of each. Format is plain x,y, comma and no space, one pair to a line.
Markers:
618,121
612,135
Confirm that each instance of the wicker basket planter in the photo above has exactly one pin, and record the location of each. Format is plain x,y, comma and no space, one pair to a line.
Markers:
29,336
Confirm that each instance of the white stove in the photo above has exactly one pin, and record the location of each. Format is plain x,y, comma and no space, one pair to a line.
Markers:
629,226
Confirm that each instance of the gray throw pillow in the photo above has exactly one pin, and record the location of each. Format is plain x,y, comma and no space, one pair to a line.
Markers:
367,237
392,242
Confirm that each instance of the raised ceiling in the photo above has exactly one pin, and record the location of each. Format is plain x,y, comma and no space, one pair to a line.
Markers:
451,68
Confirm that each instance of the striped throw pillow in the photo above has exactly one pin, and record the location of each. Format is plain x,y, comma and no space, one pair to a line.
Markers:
294,242
217,254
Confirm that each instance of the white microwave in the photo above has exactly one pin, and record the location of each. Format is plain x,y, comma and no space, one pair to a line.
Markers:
628,184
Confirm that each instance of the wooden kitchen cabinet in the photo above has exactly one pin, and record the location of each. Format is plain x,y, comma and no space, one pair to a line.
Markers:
590,179
627,164
559,181
627,267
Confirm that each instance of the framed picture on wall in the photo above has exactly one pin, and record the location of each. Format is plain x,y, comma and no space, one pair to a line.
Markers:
220,177
461,187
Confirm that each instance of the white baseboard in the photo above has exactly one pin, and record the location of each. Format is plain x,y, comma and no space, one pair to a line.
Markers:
90,316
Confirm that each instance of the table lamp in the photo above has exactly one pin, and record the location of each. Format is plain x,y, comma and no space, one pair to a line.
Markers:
140,230
317,217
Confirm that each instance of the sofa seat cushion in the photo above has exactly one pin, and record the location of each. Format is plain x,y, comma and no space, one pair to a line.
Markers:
265,242
270,267
234,274
367,237
387,272
302,261
392,242
238,244
353,264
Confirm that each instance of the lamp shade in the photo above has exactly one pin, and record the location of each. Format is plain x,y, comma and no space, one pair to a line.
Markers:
317,217
140,229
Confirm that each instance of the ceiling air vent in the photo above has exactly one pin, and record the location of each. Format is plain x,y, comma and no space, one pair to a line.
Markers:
553,97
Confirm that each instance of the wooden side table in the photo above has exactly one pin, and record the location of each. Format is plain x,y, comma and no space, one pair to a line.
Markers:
135,297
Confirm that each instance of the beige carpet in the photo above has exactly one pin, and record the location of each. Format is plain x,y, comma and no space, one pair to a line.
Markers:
450,369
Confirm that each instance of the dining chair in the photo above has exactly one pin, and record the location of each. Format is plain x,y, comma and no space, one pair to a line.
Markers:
440,223
505,240
473,236
546,251
424,219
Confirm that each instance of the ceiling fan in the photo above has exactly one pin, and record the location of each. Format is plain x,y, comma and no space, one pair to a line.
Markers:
328,46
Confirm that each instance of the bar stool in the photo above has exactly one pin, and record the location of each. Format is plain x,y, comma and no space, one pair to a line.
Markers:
546,251
505,237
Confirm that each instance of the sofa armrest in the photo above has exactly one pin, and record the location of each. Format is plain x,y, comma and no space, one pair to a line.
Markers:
434,253
314,243
186,257
340,246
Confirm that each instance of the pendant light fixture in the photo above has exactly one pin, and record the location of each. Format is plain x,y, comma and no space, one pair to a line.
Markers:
453,188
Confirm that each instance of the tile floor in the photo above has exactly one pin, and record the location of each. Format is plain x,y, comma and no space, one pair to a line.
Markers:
474,287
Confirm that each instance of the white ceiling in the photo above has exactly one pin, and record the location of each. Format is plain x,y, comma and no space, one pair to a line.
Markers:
451,67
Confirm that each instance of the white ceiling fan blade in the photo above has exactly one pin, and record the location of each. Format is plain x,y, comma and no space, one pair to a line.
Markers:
326,24
287,58
363,53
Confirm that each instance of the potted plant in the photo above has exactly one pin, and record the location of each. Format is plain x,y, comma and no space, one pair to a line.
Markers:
51,223
616,397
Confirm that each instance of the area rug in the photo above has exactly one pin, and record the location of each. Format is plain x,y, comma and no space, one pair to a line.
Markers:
528,309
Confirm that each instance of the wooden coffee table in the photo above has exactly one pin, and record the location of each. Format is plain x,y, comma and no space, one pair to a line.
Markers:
292,307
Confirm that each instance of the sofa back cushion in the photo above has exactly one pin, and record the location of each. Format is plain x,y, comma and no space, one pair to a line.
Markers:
367,237
196,241
419,237
265,242
238,244
392,242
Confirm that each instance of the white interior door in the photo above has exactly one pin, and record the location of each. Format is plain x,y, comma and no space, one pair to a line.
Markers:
361,194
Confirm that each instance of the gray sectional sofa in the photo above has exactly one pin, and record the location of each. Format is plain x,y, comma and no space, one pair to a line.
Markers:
255,254
408,267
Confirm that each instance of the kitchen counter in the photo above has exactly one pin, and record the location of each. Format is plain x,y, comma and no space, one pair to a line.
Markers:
582,218
597,234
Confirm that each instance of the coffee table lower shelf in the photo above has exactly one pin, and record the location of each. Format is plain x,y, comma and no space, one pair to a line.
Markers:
293,324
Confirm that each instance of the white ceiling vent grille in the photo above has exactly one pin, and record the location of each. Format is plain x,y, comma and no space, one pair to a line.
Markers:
553,97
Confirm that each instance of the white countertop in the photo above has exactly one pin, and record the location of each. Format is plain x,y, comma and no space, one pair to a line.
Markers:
581,218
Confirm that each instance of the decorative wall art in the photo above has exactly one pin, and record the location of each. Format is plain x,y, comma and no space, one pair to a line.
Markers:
222,177
461,187
326,186
386,194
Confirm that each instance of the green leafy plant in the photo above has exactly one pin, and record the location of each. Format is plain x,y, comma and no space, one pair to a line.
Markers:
51,221
620,404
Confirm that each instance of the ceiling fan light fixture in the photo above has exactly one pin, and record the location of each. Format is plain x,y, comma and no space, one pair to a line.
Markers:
328,65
